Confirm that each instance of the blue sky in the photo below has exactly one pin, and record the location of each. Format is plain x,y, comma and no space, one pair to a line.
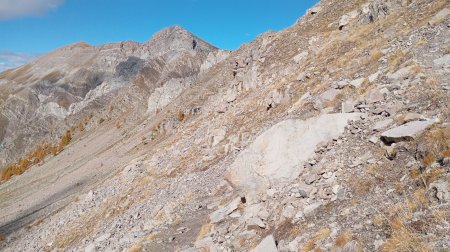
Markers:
30,27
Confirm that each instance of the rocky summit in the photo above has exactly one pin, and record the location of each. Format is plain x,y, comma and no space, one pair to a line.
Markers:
330,135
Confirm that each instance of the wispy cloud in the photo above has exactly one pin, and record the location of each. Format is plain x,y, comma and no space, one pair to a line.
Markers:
10,9
10,60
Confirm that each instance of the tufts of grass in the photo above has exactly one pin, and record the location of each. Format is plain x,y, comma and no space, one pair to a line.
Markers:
181,116
403,239
135,248
322,234
205,229
343,239
376,54
396,59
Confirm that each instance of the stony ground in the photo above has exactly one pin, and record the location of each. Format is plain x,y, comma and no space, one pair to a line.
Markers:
332,135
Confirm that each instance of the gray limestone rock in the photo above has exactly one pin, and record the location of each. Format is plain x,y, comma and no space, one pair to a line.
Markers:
266,245
406,132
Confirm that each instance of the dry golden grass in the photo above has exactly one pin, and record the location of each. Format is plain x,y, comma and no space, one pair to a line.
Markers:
429,159
419,200
403,239
376,54
204,231
395,59
421,42
446,153
378,220
361,186
320,235
81,127
343,239
436,140
135,248
181,116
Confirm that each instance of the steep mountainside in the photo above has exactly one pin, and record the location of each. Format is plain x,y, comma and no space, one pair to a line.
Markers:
41,100
331,135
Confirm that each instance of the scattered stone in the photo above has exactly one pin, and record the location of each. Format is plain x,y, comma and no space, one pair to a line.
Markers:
443,61
382,124
345,20
301,57
357,83
206,242
401,74
102,238
374,140
264,214
271,192
310,209
217,136
341,84
302,76
221,213
440,16
315,10
409,117
256,222
441,190
288,212
373,77
374,96
329,94
90,248
348,107
406,132
390,151
266,245
309,179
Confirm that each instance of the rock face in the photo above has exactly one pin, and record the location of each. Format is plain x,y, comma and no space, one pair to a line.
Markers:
277,155
406,132
179,146
72,82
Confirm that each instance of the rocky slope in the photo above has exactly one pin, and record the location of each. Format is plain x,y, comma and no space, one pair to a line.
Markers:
43,99
331,135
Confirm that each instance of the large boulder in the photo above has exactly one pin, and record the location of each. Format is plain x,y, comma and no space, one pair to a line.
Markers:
278,154
406,132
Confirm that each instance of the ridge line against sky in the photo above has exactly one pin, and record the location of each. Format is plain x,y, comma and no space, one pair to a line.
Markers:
33,27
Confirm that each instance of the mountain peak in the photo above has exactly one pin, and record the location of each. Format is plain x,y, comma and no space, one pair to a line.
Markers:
177,38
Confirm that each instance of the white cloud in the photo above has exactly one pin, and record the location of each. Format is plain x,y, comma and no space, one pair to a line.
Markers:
11,60
10,9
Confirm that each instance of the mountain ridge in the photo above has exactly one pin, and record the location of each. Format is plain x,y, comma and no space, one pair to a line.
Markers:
330,135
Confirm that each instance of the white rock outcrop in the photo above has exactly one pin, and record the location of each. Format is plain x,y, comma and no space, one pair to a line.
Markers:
277,155
163,95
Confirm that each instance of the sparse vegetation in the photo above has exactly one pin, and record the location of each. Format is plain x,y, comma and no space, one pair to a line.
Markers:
396,59
204,231
320,235
403,239
376,54
35,157
343,239
181,116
